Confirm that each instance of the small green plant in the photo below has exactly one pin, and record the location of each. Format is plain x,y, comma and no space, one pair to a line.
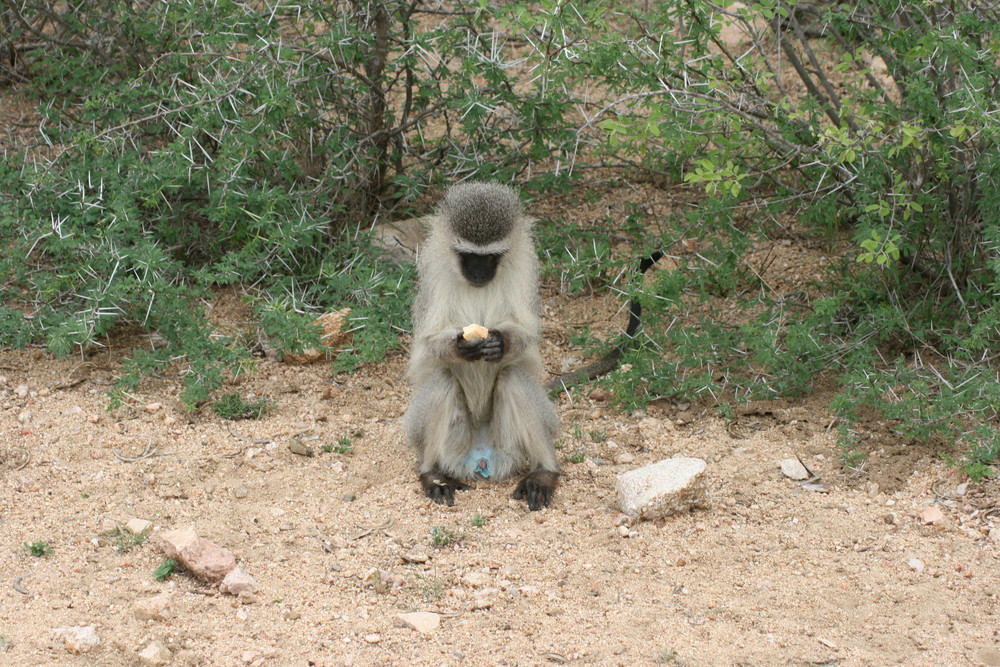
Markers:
125,540
579,456
166,568
432,590
442,536
667,657
344,445
478,520
599,436
327,449
38,549
234,407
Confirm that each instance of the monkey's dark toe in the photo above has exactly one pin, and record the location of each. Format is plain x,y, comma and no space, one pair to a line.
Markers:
537,489
440,488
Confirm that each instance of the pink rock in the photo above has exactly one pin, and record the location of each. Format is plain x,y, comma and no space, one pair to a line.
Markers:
202,558
238,582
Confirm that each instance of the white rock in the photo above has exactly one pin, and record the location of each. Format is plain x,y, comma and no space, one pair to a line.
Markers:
664,488
156,608
421,621
78,639
483,599
477,579
916,565
155,653
138,526
238,582
793,469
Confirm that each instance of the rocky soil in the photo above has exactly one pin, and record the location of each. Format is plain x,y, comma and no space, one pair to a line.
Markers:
895,564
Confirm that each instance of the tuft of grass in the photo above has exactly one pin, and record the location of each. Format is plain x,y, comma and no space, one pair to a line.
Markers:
234,407
442,536
166,568
38,549
125,540
577,457
478,520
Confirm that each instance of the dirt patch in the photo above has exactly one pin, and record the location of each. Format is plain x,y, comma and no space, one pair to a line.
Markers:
342,543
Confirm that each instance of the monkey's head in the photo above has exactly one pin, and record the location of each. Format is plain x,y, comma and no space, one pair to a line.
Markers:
481,218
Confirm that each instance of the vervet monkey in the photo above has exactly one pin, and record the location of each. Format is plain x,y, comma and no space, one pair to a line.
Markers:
478,410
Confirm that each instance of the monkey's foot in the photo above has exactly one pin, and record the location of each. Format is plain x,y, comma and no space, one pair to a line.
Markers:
440,488
537,489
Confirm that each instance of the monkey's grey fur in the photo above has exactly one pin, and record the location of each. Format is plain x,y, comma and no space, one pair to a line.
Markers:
458,404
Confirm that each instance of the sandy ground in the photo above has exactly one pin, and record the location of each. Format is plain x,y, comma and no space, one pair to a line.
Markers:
342,543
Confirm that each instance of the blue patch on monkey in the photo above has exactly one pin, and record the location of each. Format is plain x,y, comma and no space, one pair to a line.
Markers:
479,460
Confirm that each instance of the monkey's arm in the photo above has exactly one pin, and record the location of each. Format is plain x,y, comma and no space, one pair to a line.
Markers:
442,345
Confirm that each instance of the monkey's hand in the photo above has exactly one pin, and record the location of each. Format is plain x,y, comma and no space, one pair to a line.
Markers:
490,348
493,347
470,350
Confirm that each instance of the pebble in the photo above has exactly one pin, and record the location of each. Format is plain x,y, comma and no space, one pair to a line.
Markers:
477,579
793,469
203,558
422,621
238,582
155,653
415,557
156,608
138,526
373,638
78,639
916,564
153,407
931,515
483,599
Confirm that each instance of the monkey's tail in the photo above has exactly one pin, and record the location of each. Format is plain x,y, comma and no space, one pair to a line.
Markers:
609,361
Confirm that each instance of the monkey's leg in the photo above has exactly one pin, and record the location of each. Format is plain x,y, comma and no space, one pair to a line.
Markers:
437,424
524,427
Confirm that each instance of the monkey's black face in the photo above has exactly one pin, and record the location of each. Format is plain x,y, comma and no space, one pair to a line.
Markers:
479,269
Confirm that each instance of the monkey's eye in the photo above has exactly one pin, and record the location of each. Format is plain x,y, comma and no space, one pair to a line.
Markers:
479,269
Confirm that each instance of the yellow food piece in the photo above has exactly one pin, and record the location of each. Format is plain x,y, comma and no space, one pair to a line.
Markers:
474,332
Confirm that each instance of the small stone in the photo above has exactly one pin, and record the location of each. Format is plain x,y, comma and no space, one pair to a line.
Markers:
623,531
153,407
25,417
931,515
477,579
624,458
415,557
78,639
240,492
155,653
889,518
664,488
138,526
600,394
793,469
202,558
916,565
238,582
422,621
373,638
156,608
483,599
295,446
